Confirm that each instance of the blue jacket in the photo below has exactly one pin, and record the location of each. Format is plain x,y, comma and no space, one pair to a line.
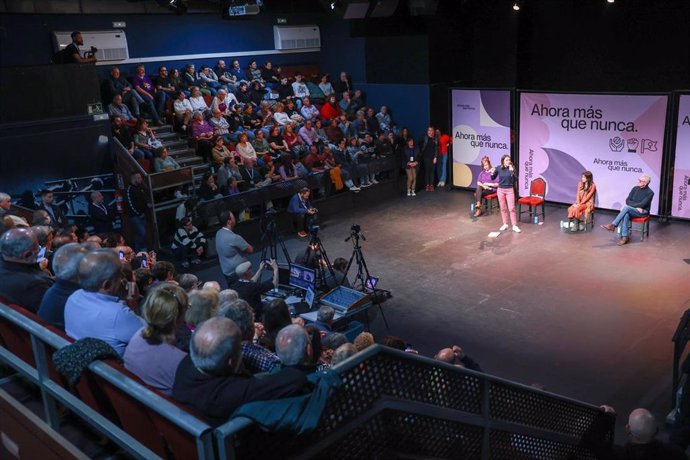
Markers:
296,205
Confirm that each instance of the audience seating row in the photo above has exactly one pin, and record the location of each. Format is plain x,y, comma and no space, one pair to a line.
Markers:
389,402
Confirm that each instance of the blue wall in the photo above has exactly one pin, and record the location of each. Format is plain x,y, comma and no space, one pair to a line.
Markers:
409,104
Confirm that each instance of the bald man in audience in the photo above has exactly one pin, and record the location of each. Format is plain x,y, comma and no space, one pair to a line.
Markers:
212,381
457,357
22,282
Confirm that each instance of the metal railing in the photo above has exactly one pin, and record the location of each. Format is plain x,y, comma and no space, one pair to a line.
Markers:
393,402
44,342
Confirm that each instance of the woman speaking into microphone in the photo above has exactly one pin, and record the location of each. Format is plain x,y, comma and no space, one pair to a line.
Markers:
507,175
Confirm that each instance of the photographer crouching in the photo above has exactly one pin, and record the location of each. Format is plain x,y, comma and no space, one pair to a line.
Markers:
302,212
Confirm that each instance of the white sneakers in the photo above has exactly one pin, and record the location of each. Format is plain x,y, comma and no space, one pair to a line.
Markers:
413,193
505,227
441,184
355,189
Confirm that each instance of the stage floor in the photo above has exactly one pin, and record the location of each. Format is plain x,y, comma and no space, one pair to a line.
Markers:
574,312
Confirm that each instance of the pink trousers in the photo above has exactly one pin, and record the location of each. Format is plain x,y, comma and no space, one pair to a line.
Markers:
506,201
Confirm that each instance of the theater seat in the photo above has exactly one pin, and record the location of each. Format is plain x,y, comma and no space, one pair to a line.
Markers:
537,193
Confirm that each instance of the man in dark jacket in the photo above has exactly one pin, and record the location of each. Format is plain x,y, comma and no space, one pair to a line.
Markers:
212,381
136,208
101,215
23,282
66,267
636,205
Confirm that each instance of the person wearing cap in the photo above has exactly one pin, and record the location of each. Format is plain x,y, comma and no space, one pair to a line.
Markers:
249,286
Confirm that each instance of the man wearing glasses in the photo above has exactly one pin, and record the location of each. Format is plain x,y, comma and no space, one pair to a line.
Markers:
636,205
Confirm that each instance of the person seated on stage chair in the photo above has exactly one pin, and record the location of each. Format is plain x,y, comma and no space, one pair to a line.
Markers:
324,320
188,242
302,212
485,185
584,202
340,272
249,286
636,205
255,358
210,379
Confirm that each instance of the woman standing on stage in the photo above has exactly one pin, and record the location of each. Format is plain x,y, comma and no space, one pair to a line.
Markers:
411,164
485,186
507,177
584,202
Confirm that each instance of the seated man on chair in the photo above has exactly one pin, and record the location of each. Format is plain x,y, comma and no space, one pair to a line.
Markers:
302,212
636,205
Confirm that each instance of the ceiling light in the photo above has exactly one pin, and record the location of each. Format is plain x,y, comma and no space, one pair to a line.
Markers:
516,6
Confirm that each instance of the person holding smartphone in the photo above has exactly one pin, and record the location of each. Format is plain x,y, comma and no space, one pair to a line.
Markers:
507,178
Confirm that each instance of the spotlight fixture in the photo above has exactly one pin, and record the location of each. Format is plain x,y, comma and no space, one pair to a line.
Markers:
516,6
610,1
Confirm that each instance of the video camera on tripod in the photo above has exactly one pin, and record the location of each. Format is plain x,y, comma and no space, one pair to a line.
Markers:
356,233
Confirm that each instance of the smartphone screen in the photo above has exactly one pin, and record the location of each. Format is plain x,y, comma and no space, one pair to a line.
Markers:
144,264
41,255
122,256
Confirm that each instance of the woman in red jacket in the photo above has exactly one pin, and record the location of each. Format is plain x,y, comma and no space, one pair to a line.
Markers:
331,109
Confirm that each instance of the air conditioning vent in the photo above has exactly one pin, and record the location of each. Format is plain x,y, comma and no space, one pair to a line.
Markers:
296,37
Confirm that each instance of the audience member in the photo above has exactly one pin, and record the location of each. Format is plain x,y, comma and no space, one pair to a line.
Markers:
210,380
118,109
151,353
276,316
144,87
293,348
249,286
23,282
188,282
188,243
231,248
183,110
66,262
343,352
100,214
97,310
324,320
203,304
255,358
227,295
457,357
57,218
136,209
163,161
364,340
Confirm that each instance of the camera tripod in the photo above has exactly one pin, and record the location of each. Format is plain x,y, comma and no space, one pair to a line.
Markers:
315,255
270,240
360,282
